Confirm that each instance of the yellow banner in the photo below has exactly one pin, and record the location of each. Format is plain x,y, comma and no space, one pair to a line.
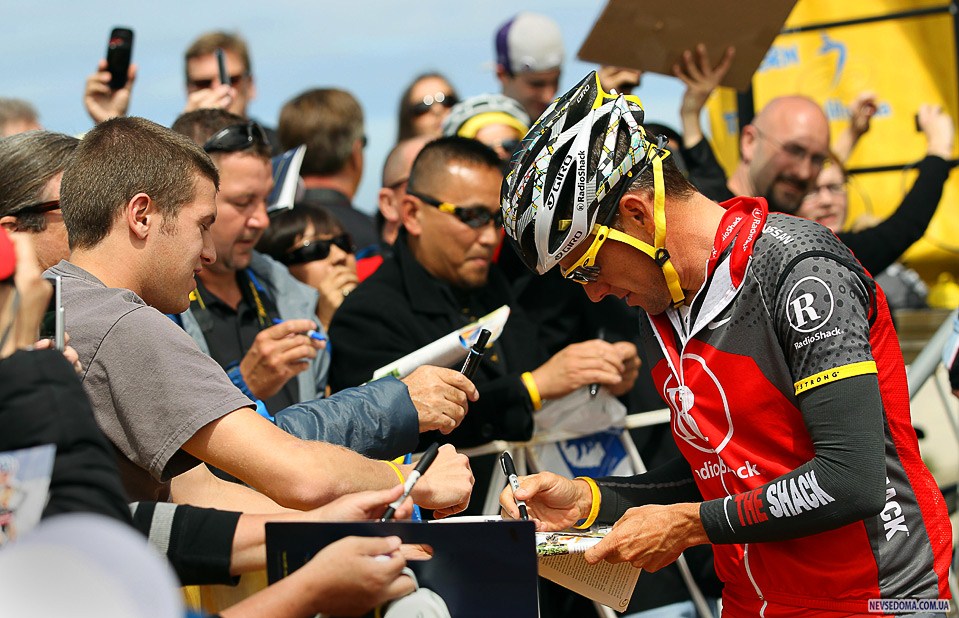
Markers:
906,61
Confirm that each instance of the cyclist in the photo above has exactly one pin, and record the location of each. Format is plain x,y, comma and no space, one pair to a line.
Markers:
776,355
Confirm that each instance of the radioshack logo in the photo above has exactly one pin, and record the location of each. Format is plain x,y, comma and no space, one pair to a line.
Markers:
825,334
711,470
809,305
708,434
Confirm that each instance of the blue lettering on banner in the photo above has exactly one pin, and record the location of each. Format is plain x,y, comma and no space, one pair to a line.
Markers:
731,120
779,57
836,110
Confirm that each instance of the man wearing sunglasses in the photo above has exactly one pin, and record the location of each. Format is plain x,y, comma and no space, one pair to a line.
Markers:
442,277
31,166
776,355
139,202
251,315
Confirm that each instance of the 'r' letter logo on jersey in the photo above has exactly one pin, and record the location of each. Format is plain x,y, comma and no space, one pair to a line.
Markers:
809,305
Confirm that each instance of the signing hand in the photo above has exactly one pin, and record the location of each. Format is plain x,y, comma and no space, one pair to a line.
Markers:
554,502
650,537
441,397
278,354
447,485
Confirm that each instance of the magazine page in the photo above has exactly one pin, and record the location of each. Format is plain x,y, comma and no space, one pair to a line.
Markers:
449,349
24,484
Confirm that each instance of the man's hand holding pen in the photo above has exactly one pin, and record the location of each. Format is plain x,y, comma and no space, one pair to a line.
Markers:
441,397
446,486
613,365
554,502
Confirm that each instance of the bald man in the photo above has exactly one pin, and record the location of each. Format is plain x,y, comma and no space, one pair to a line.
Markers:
783,150
396,171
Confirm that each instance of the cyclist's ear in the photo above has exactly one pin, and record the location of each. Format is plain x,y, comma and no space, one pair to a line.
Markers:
637,207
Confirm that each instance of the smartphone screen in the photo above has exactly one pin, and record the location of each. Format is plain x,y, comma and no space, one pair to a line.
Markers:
119,53
52,325
221,65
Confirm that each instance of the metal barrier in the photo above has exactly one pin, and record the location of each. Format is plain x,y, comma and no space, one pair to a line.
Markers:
926,366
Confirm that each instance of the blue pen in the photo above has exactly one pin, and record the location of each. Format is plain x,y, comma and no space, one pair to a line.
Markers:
312,334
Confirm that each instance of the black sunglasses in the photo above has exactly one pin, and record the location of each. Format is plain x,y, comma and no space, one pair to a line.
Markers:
236,137
203,84
317,250
37,209
475,216
440,98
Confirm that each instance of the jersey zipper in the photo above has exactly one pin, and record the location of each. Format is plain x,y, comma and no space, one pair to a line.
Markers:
752,579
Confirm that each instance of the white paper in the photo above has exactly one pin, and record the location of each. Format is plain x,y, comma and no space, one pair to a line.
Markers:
449,349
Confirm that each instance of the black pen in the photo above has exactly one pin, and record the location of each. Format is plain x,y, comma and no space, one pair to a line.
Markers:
417,472
594,387
510,471
475,354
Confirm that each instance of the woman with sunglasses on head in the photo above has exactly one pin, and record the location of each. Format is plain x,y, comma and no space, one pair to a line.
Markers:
313,245
424,105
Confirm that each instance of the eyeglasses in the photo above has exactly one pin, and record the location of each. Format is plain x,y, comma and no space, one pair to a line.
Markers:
794,151
585,270
313,250
446,100
37,209
203,84
236,137
474,216
836,189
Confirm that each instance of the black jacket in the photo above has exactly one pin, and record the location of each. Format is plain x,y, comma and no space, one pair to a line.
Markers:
43,402
401,308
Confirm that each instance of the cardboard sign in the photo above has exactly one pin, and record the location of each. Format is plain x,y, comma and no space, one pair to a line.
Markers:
651,35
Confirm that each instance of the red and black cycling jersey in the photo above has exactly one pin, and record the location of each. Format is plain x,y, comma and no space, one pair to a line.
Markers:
789,403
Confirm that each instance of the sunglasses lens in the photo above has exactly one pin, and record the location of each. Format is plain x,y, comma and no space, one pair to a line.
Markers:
344,242
440,98
236,137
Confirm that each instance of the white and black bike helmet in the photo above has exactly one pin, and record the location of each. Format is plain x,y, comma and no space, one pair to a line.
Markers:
558,191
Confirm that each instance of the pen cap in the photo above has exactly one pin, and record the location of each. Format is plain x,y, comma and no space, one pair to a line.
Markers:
481,340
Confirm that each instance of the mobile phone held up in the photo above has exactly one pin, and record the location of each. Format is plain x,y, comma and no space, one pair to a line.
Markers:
52,325
221,65
119,52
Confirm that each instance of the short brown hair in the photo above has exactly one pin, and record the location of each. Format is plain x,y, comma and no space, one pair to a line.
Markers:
118,159
207,43
16,110
27,163
329,121
202,124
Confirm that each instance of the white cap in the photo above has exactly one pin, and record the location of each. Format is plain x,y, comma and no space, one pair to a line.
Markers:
528,43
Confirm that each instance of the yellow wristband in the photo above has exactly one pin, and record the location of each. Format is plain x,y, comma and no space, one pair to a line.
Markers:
396,469
530,385
594,508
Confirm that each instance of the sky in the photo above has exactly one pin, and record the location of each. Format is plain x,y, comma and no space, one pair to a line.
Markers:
371,48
